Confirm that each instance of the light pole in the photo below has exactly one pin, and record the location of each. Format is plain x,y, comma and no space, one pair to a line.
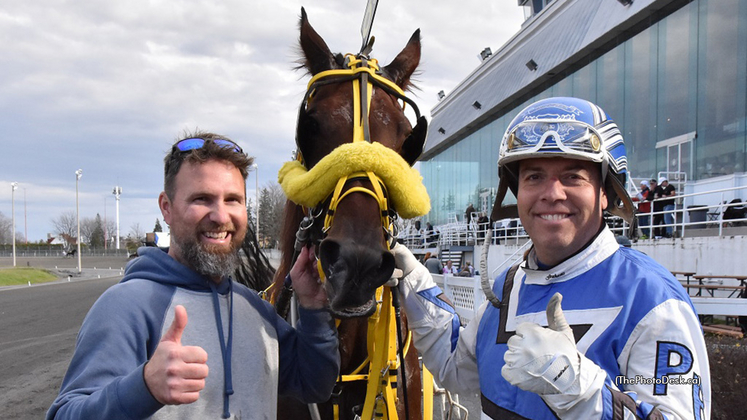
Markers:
25,225
78,175
256,196
117,191
106,236
13,187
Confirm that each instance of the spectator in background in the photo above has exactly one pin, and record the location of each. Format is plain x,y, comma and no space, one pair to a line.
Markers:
644,209
432,264
450,269
482,225
431,237
665,189
417,233
467,271
468,213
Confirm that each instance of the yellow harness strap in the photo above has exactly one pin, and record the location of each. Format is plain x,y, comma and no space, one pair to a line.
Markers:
377,194
381,397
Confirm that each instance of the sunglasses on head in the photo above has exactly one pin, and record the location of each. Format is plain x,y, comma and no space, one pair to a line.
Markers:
197,143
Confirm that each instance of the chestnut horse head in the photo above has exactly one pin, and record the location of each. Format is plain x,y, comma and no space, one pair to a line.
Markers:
352,108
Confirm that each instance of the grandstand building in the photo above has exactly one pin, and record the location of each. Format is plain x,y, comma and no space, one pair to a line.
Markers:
671,73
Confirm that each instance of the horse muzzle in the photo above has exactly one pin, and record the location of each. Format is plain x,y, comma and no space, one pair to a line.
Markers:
353,273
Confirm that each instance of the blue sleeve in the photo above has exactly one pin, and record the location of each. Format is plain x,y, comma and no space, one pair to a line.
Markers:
105,376
309,356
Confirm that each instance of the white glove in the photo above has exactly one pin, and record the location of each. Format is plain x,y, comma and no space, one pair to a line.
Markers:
544,360
415,278
404,260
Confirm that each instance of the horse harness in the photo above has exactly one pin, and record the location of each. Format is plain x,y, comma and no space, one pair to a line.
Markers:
382,362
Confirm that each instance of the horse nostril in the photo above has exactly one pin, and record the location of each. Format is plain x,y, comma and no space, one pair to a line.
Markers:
329,255
387,266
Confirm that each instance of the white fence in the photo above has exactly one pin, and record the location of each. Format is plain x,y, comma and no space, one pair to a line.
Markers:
466,294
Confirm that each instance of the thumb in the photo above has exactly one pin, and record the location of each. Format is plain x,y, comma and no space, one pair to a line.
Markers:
174,333
404,260
555,318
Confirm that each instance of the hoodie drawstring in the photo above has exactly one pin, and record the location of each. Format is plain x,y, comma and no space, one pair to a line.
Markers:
225,347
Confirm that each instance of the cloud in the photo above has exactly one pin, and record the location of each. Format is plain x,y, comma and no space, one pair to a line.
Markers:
108,86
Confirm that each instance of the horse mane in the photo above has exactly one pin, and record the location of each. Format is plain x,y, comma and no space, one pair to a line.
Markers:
293,214
255,270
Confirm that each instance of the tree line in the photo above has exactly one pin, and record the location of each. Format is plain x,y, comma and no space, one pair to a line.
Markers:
6,231
94,232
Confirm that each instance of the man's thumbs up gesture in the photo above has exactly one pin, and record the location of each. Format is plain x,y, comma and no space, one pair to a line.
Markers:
544,360
175,374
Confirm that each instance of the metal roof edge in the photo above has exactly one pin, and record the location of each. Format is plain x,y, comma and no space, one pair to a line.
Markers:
637,12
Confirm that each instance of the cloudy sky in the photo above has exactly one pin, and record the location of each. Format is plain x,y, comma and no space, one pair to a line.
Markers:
108,86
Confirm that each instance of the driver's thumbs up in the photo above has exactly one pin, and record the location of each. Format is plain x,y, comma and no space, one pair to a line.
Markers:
555,317
175,374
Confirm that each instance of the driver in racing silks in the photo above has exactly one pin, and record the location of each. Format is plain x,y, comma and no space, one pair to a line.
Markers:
581,328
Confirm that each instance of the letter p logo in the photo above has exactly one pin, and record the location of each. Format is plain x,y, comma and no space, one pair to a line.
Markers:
671,359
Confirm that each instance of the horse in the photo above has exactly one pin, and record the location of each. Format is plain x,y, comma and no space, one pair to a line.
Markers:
358,210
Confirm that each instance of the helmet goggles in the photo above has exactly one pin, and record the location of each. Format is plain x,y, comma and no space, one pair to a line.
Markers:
547,135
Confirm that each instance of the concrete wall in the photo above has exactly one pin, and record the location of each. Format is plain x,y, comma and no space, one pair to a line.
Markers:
703,255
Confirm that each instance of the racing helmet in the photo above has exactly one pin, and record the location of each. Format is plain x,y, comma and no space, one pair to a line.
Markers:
570,128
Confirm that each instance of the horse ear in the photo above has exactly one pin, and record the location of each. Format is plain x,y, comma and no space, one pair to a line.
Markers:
317,56
404,65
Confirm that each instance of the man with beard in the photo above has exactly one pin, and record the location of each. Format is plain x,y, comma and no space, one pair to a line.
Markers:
138,356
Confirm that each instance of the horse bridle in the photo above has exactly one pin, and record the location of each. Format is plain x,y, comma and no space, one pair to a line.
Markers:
364,73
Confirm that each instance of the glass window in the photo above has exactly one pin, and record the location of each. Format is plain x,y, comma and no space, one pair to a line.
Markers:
639,122
610,83
563,87
721,86
677,75
585,82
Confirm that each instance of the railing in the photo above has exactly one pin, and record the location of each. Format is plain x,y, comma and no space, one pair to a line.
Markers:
720,208
44,251
691,215
460,233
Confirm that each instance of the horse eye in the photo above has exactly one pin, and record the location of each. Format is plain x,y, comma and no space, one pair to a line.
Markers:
307,125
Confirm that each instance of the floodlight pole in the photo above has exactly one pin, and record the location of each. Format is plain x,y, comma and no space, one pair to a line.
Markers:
13,187
25,224
78,175
117,192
